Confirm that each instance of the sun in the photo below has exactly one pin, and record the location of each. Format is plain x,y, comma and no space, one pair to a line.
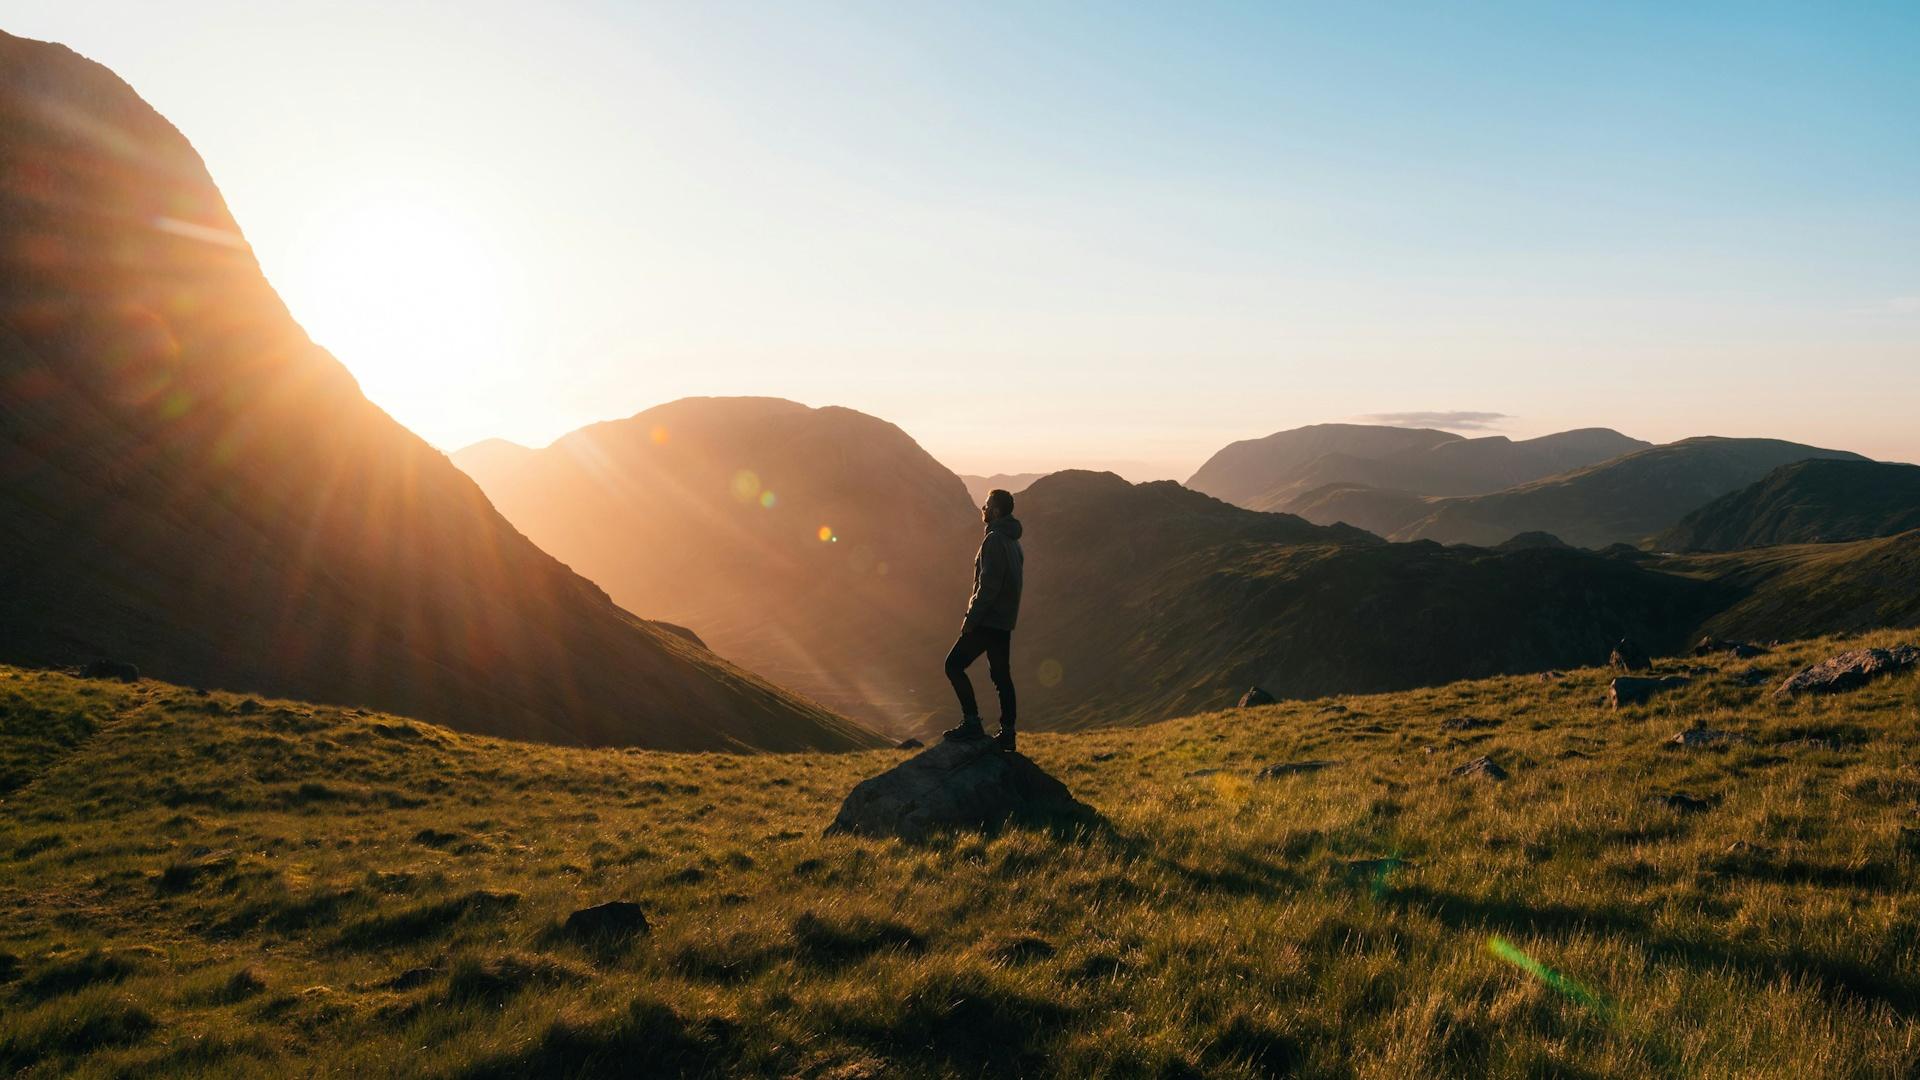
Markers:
409,293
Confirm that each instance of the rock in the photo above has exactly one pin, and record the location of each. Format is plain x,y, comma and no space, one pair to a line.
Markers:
958,785
1627,690
111,669
1256,696
613,921
1201,774
1849,670
1629,656
1481,766
1694,738
1550,676
910,744
1682,803
1467,723
1743,650
1291,768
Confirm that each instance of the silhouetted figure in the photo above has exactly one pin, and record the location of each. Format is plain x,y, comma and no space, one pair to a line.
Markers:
991,613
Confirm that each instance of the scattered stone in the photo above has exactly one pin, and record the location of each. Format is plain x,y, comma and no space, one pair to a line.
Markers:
1550,676
1199,774
1292,768
111,669
1743,650
1629,656
910,744
1694,738
1467,723
1849,670
612,922
1682,803
1629,690
1256,696
1571,753
1750,849
411,979
249,706
1333,708
964,785
1106,755
1481,766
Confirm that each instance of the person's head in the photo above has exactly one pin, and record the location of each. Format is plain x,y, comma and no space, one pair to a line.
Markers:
999,504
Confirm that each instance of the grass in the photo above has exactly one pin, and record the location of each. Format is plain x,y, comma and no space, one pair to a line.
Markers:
194,885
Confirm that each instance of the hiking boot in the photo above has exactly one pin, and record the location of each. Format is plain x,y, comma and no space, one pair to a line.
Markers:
1004,738
969,730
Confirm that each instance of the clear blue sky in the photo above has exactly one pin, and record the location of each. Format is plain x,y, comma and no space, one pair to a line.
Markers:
1047,234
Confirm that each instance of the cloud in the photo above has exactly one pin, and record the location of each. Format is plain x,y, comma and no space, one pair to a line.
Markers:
1450,421
1905,305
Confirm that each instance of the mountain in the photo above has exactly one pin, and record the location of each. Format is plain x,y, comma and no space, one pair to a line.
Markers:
1276,472
189,484
1817,501
1625,500
1146,601
1013,483
710,512
1780,593
1268,470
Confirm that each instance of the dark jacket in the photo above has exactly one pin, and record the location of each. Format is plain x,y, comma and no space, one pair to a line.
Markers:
996,577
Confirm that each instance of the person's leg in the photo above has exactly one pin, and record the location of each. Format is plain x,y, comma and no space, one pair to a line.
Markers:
965,651
1000,667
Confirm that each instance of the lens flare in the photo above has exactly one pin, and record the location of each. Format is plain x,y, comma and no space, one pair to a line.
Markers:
660,435
825,534
1512,954
767,500
1051,672
746,485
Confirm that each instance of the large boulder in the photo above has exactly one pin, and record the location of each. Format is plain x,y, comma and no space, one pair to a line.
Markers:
1627,690
971,785
1743,650
1849,670
1255,696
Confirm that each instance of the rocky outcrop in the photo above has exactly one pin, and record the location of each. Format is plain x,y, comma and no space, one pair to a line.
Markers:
1255,696
1742,650
1849,670
1481,766
1629,656
958,786
1695,738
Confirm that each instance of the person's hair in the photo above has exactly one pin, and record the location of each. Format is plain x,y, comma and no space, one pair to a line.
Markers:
1000,499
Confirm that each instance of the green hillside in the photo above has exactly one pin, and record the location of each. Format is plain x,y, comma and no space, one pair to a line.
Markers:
1808,502
208,885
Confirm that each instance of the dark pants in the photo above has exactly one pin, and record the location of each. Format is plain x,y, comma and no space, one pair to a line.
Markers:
997,644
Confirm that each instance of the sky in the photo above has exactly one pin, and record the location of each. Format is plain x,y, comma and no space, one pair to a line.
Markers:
1045,234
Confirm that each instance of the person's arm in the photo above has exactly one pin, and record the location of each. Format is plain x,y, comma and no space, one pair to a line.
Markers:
993,577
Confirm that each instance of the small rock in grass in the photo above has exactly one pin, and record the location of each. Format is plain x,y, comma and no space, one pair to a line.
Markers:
1694,738
1292,768
1682,803
1481,766
1467,723
909,744
1628,690
1255,697
613,921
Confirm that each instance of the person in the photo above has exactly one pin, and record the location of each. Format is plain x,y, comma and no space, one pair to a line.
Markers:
988,628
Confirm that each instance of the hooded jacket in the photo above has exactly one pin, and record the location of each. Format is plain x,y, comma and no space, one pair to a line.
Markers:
996,577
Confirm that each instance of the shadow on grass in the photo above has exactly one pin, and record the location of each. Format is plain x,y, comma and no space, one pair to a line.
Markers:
1835,977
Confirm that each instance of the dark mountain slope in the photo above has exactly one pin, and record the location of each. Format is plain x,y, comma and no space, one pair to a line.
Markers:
1787,592
1624,500
1806,502
708,512
188,483
1148,601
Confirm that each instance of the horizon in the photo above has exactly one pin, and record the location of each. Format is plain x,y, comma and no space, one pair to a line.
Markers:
1009,233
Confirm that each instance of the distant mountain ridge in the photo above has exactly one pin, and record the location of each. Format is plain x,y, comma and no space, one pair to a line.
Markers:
1621,501
1815,501
980,486
1274,472
711,512
189,484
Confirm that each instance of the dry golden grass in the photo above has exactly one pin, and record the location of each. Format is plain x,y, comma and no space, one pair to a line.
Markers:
192,885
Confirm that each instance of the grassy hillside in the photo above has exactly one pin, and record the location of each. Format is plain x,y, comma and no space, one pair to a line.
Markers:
1808,502
1804,589
196,884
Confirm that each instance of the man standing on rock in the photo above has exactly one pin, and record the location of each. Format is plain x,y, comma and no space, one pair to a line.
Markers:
990,618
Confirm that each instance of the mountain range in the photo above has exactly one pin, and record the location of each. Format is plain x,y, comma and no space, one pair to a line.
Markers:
822,548
1806,502
189,484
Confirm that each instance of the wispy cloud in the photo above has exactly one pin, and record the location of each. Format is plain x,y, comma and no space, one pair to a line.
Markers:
1450,420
